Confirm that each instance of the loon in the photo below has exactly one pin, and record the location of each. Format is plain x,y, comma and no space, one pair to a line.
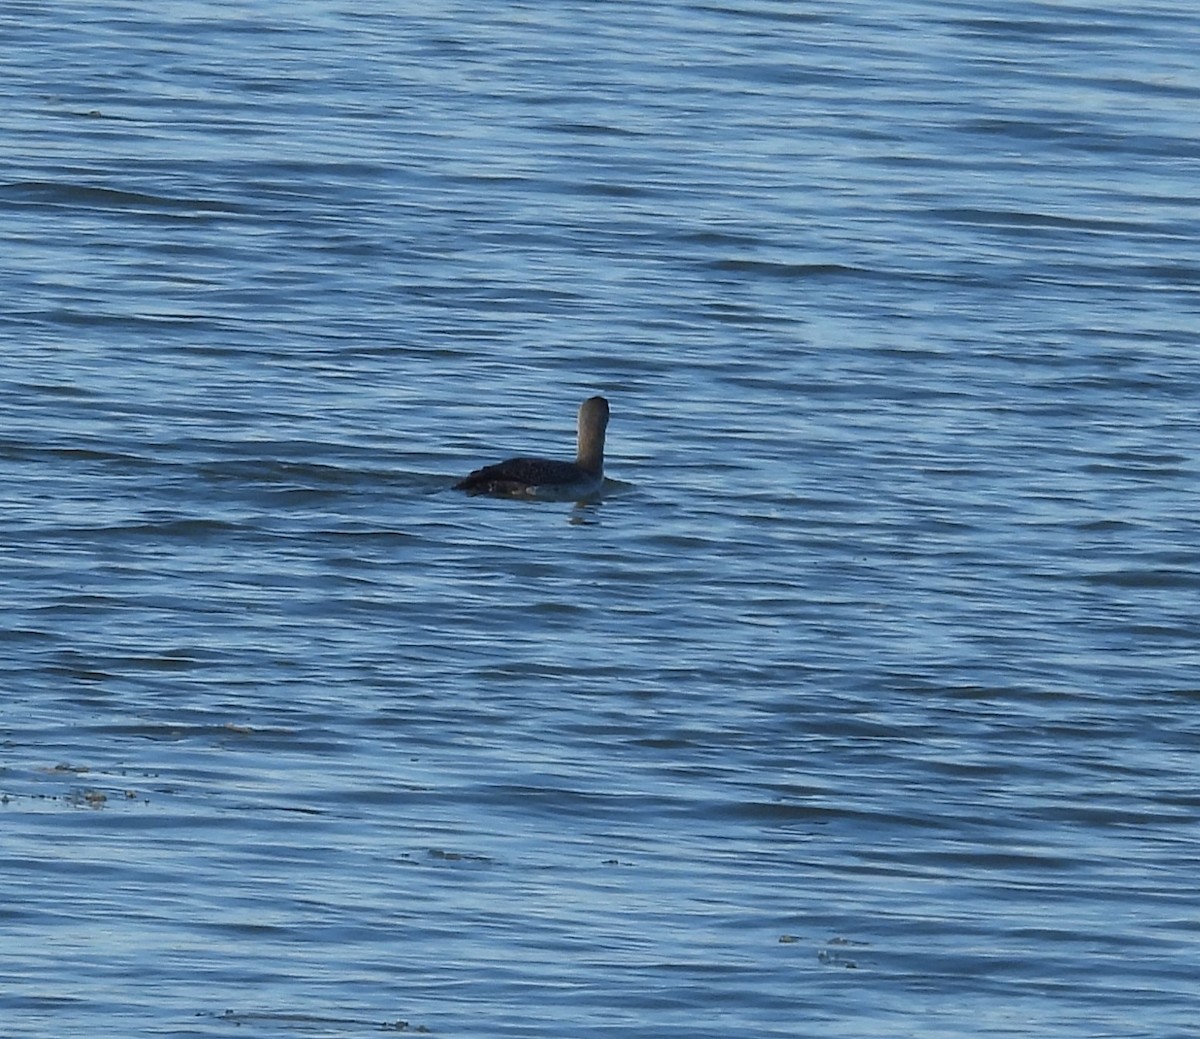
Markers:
543,478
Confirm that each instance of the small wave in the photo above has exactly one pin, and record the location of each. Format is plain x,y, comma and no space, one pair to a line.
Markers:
790,270
86,196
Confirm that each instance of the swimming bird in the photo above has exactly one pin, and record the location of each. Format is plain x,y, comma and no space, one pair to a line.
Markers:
543,478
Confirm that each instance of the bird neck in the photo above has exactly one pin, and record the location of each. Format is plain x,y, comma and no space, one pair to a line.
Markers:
590,455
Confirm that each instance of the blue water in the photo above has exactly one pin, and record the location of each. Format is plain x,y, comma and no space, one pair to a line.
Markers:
864,703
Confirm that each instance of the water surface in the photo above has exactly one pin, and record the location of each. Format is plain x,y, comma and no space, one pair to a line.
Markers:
865,704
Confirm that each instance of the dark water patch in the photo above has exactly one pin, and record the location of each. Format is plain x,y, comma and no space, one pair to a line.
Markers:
316,1024
1036,30
1025,221
54,454
584,130
189,529
85,318
791,271
1149,577
55,390
110,200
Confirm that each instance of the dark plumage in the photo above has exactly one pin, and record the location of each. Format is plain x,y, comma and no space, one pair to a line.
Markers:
545,478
